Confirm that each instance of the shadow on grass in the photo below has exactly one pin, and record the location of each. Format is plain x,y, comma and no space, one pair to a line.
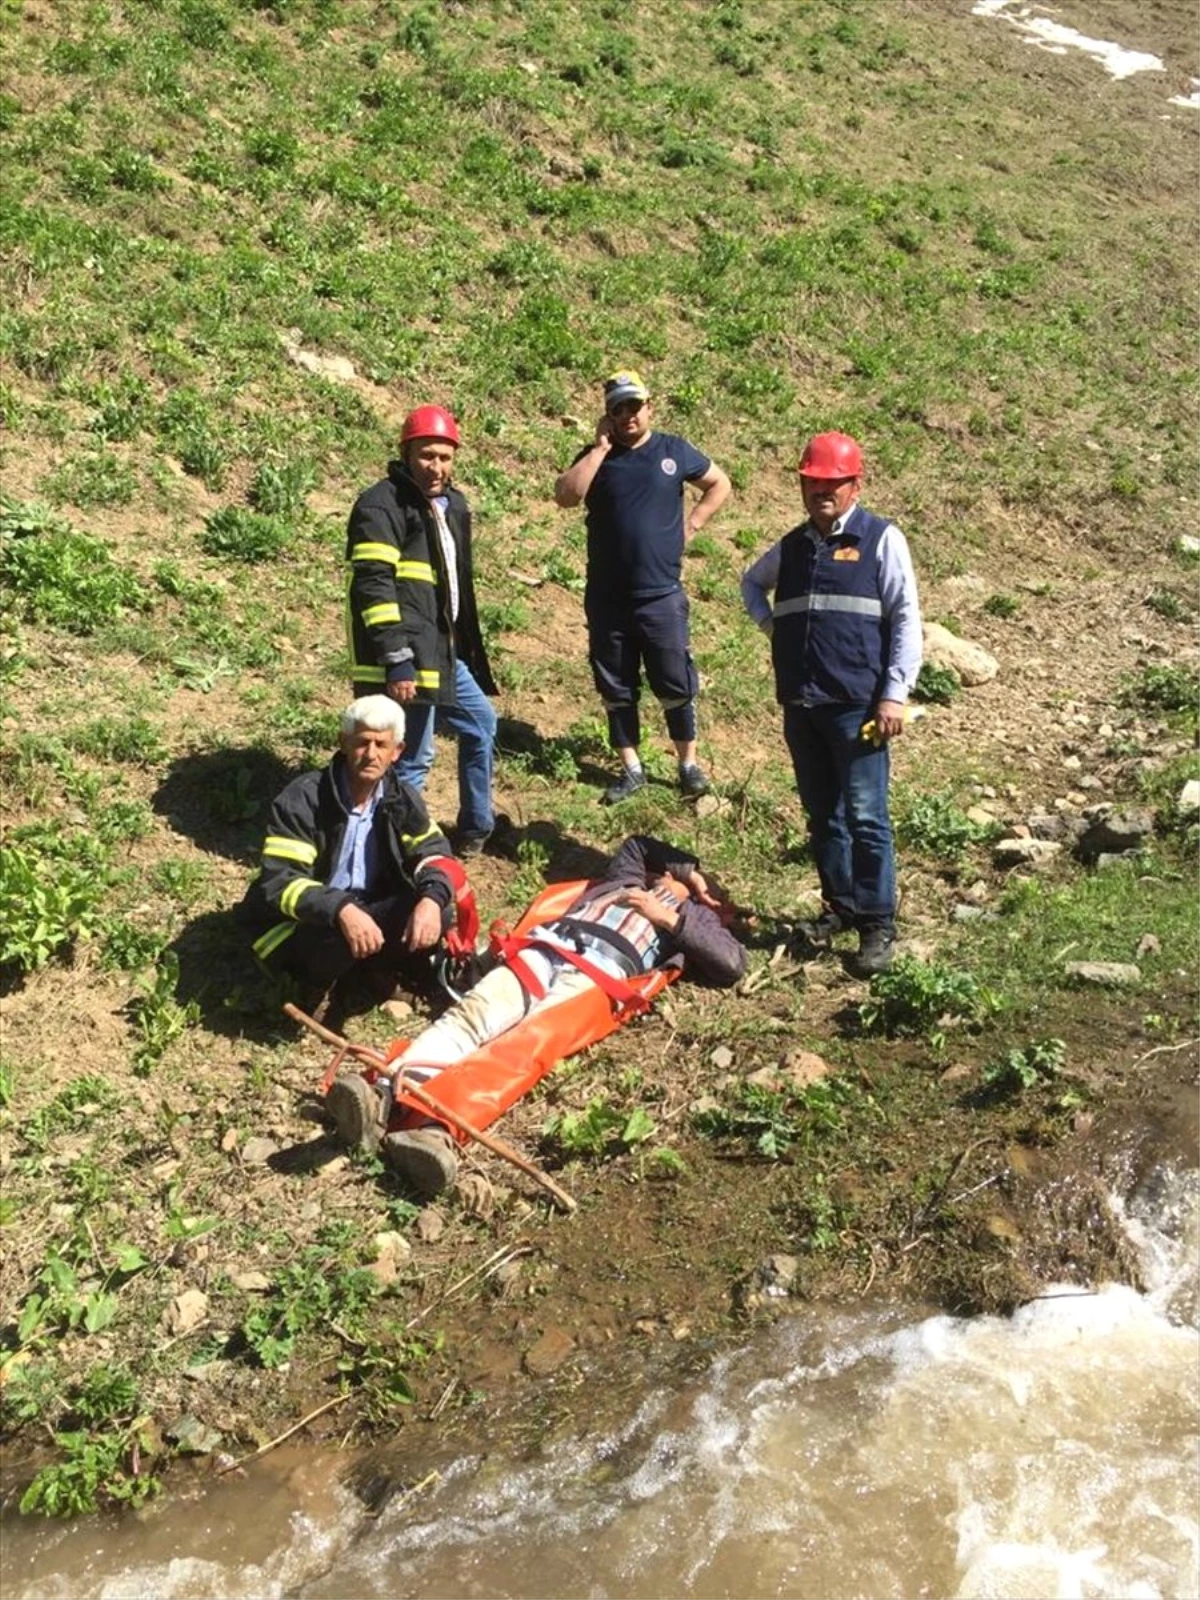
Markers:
220,798
567,758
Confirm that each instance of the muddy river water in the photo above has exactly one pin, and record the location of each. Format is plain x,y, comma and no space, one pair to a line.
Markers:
861,1454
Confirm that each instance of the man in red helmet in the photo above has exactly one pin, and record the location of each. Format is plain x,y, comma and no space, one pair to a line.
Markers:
845,631
413,622
631,480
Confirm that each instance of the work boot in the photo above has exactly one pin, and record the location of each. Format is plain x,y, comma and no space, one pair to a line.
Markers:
693,781
426,1158
819,931
356,1110
876,950
470,844
630,781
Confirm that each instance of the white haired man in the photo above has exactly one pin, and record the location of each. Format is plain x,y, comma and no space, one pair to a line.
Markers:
355,876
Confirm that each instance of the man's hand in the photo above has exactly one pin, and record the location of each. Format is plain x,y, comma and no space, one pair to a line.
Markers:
655,911
424,927
402,690
360,931
697,885
604,437
889,719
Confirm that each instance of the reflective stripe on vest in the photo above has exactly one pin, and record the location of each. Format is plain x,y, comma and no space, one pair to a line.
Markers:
858,605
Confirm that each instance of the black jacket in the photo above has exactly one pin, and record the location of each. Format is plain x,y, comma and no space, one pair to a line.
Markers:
304,834
701,944
399,593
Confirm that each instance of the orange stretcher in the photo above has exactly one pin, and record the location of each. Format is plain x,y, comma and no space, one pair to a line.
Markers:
483,1085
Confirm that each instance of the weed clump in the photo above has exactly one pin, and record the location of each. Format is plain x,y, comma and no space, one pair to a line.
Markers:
925,998
59,576
243,535
937,685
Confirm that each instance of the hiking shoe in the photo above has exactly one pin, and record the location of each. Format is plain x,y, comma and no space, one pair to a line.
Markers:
425,1158
470,844
630,781
693,781
356,1110
820,930
876,950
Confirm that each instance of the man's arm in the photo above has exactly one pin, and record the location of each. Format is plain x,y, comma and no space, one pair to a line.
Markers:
716,490
374,554
571,486
707,945
759,582
901,607
290,854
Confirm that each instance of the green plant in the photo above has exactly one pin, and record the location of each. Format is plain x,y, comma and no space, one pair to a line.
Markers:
934,825
937,685
96,478
924,997
96,1469
598,1130
1171,688
72,1107
47,901
157,1016
314,1291
1002,605
281,490
243,535
1167,604
61,1300
533,859
61,577
770,1120
1016,1070
130,740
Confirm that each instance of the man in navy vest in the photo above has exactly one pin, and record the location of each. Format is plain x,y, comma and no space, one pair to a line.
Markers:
845,630
631,479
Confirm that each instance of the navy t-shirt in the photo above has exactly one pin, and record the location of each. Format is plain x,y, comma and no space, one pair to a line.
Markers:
635,517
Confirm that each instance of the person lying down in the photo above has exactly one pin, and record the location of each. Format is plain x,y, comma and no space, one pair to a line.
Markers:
575,968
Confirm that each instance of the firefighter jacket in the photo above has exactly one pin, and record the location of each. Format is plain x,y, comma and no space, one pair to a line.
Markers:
399,619
304,836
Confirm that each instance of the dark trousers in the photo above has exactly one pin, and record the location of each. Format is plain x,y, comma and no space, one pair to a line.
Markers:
319,957
843,784
625,637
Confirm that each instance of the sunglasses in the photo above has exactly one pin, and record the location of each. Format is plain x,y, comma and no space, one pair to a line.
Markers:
625,408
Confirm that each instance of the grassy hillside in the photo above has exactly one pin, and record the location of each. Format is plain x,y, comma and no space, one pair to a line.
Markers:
240,239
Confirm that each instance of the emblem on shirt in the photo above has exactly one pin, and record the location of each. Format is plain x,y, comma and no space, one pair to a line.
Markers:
846,552
669,466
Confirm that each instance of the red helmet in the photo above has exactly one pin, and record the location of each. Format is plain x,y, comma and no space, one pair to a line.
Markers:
430,422
831,455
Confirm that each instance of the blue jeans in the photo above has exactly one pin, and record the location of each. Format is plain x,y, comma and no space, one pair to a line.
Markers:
473,720
843,784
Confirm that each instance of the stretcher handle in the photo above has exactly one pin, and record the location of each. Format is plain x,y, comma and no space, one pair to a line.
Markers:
416,1091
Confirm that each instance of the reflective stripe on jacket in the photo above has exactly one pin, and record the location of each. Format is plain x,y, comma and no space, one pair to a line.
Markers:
304,835
397,597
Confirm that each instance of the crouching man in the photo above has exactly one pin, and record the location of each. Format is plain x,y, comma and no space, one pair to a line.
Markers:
558,987
356,880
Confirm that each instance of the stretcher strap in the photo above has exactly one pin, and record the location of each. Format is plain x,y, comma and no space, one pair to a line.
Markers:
621,992
461,939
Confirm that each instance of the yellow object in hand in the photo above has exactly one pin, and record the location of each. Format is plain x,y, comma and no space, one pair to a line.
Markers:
871,732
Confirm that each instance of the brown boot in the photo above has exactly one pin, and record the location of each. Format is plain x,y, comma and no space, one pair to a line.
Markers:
426,1158
356,1110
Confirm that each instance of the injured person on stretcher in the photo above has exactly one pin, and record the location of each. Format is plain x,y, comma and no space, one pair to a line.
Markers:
584,958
